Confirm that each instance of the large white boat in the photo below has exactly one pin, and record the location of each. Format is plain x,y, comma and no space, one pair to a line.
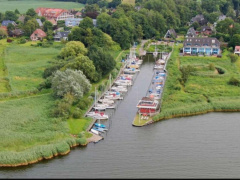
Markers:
119,88
97,115
106,101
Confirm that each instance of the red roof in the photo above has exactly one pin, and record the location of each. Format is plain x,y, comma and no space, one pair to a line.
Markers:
237,48
50,12
40,33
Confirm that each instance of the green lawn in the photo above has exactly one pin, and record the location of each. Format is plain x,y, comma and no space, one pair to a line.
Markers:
205,90
25,65
24,5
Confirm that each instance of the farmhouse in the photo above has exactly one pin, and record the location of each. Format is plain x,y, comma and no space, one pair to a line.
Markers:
199,19
61,35
237,50
191,32
170,34
6,22
53,13
208,46
38,34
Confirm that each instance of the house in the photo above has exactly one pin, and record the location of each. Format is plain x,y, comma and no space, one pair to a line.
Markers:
220,18
170,34
16,33
148,106
71,22
199,19
54,13
191,32
206,30
21,18
237,50
61,36
208,46
6,22
38,34
53,21
39,23
77,14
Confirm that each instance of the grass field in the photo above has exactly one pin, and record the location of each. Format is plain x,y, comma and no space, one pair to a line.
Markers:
26,122
24,5
205,90
25,65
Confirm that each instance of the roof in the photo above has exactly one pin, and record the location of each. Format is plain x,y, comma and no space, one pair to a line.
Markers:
172,32
191,32
21,18
39,22
6,22
201,42
40,33
62,34
204,28
50,12
147,99
52,21
237,48
17,32
221,17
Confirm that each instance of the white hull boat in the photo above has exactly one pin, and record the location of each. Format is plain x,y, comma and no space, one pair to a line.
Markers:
97,115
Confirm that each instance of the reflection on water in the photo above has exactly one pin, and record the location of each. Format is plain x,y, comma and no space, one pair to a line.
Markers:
203,146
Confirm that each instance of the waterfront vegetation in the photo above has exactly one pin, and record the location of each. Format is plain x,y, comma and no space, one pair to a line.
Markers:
24,5
204,89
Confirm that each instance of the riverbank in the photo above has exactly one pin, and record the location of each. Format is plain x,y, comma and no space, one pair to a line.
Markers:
206,89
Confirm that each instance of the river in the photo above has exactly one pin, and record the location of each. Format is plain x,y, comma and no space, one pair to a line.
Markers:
203,146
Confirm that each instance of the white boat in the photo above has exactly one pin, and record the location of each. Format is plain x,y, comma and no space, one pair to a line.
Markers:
113,97
94,131
130,70
97,115
123,82
119,88
100,107
156,66
106,101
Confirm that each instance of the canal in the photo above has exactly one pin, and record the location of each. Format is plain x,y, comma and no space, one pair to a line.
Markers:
203,146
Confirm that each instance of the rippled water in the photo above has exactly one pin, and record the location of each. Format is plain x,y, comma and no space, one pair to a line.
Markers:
203,146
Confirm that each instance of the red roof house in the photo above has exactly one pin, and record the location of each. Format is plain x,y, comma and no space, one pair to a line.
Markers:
237,50
38,34
53,13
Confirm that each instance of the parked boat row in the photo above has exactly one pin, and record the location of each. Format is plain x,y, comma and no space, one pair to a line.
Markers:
150,104
115,92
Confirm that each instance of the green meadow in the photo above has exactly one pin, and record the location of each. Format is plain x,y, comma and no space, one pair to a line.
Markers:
206,89
25,65
24,5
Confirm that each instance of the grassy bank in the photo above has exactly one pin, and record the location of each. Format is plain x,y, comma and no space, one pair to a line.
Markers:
206,89
24,5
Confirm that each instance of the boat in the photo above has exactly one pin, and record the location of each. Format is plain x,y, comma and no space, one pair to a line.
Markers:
106,101
130,70
123,82
100,129
158,66
97,115
119,88
100,107
113,97
94,131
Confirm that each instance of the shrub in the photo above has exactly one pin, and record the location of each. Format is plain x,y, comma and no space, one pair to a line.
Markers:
211,66
234,81
233,58
77,113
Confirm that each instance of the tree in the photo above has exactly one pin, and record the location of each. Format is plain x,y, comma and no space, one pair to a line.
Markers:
31,12
30,27
3,32
87,22
70,81
73,48
103,61
233,58
47,25
84,64
17,11
10,27
10,15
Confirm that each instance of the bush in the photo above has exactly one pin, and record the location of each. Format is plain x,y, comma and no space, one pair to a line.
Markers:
233,58
234,81
211,66
77,113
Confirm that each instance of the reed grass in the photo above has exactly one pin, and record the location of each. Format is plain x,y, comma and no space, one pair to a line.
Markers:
205,90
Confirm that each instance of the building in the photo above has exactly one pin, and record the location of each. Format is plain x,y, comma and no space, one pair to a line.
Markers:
53,13
191,32
71,22
61,36
21,18
206,30
16,33
39,23
148,106
171,34
220,18
6,22
207,46
199,19
38,34
237,50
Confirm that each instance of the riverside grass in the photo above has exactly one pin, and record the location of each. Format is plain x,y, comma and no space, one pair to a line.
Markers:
28,134
205,90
